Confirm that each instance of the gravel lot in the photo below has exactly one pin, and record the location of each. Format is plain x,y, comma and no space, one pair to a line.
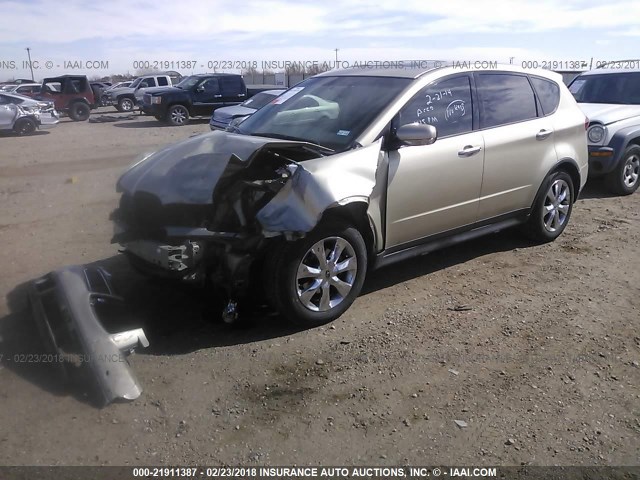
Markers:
542,367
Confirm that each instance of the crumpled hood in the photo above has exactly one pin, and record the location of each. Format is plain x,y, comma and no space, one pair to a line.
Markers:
187,172
607,113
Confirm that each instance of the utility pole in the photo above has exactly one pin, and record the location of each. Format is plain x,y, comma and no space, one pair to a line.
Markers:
30,66
336,50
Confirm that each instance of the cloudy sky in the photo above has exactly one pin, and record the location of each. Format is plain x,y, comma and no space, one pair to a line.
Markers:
124,32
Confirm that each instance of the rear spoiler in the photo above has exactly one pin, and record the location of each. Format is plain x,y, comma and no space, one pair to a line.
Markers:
64,304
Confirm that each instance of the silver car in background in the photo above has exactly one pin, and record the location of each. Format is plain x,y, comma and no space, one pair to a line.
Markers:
353,170
44,110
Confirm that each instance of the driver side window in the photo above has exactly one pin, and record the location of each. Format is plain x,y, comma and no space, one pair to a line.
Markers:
211,86
446,105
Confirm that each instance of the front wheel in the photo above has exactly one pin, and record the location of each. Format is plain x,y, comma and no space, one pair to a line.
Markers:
316,279
125,105
624,180
551,209
178,115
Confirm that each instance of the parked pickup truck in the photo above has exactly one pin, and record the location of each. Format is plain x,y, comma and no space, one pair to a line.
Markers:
197,96
126,98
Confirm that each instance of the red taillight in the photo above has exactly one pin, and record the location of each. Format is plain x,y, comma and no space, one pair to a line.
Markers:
586,123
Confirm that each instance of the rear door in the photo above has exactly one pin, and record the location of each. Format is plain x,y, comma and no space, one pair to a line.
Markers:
233,90
519,143
435,188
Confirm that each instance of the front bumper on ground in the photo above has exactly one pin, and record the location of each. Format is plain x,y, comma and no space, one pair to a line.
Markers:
65,305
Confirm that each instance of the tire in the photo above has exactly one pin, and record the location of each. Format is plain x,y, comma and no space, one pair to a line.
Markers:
125,104
79,112
25,126
286,283
552,208
177,115
624,180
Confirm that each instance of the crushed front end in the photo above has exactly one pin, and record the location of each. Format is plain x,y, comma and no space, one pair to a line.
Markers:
191,211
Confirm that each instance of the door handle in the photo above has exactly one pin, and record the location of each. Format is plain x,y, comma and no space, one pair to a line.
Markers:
241,94
468,151
542,134
217,96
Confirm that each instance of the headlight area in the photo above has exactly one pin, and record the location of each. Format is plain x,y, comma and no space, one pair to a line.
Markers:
157,100
596,134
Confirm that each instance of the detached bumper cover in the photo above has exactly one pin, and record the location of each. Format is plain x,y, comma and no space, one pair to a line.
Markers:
64,307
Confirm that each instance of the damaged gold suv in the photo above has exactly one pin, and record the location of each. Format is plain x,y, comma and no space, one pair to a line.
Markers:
353,170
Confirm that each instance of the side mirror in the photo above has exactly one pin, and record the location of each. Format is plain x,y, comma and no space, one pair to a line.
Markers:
414,134
200,88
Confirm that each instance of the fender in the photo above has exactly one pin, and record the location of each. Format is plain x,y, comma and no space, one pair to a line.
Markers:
621,140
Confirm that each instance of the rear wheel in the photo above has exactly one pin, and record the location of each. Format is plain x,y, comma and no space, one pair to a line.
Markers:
25,126
552,208
316,279
178,115
79,111
624,180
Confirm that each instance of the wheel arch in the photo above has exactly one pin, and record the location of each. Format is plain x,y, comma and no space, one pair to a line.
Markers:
566,165
622,139
354,212
569,166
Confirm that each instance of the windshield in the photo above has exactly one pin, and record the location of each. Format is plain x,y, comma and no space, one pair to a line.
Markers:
188,82
618,88
328,111
259,100
136,82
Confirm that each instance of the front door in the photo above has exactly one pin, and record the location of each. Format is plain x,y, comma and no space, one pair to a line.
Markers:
436,188
206,96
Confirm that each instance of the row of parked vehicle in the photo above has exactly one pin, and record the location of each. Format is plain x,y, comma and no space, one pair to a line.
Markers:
610,99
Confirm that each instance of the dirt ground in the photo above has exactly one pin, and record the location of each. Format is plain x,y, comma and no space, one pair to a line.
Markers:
543,367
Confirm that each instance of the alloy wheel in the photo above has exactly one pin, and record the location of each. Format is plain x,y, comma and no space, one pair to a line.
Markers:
556,206
326,274
178,116
631,170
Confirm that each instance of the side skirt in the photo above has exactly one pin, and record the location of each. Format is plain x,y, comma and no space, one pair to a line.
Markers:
447,239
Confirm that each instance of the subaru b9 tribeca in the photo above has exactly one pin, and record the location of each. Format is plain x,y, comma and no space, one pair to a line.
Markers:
352,170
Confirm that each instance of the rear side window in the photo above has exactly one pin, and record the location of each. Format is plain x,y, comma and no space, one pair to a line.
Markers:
231,86
446,105
162,82
505,98
548,94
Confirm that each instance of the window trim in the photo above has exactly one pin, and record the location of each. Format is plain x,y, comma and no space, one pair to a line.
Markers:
544,114
475,117
480,100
